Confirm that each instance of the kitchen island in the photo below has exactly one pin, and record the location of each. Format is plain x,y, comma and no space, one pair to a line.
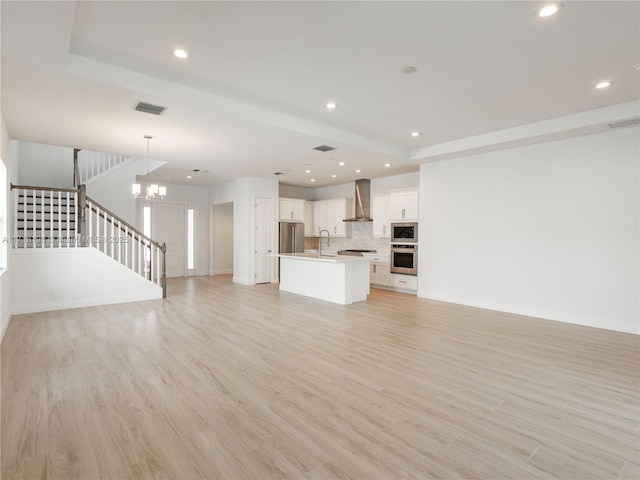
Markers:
337,279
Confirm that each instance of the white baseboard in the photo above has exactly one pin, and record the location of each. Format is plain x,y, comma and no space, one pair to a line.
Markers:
227,271
564,317
85,302
393,289
242,281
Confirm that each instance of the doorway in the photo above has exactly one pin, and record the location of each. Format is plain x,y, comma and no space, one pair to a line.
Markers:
264,243
168,221
222,254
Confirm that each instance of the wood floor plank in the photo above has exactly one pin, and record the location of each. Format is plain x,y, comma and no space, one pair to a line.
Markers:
225,381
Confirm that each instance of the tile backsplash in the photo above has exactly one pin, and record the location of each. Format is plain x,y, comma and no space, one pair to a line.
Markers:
361,238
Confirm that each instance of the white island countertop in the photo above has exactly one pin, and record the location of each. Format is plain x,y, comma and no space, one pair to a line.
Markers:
322,258
339,279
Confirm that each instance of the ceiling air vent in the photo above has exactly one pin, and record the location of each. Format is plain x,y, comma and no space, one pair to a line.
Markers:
625,123
149,108
324,148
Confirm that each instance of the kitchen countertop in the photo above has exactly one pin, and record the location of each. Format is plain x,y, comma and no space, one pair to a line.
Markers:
324,258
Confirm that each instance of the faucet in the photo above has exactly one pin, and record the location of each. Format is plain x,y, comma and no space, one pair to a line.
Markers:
320,241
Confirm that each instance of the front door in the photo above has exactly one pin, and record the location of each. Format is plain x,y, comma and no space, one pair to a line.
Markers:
168,226
263,239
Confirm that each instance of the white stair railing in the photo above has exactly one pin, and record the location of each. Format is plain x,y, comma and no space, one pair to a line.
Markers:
124,243
93,164
44,217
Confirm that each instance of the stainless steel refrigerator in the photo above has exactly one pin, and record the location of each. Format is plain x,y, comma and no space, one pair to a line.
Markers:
291,237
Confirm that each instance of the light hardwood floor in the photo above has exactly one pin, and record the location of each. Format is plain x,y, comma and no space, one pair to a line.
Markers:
236,382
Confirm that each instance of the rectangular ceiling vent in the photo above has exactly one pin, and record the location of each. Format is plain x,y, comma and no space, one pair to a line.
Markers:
625,123
324,148
149,108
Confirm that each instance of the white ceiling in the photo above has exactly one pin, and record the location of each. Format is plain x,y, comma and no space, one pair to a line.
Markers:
250,100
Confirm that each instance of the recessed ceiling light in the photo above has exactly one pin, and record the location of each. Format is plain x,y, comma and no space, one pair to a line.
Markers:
307,171
415,134
387,165
637,67
178,52
312,180
603,85
358,171
548,10
189,176
331,105
341,164
409,70
333,175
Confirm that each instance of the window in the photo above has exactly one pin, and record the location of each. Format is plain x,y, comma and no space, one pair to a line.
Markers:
146,221
4,215
191,238
146,229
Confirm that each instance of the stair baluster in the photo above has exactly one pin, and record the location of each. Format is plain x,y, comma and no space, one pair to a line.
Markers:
63,222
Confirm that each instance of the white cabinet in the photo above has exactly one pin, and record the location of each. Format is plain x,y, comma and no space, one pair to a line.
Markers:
329,215
405,282
291,209
319,217
336,213
404,205
379,274
381,213
378,269
308,219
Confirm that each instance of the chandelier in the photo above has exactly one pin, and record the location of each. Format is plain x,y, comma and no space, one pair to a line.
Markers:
154,191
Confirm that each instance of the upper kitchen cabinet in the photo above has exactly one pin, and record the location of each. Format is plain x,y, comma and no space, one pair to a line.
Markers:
291,210
381,213
308,220
319,218
404,205
329,215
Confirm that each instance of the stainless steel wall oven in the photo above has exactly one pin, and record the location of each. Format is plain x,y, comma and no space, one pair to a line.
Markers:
404,258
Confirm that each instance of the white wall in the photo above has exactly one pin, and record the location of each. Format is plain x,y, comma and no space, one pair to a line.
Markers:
223,239
288,191
344,190
45,165
71,278
380,186
5,275
242,194
550,230
113,191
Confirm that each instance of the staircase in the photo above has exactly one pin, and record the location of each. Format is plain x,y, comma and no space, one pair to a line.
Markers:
50,219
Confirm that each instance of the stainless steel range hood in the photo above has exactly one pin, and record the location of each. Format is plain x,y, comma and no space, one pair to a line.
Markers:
363,201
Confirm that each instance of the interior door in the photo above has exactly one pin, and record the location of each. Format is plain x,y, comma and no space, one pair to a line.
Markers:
168,225
263,239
